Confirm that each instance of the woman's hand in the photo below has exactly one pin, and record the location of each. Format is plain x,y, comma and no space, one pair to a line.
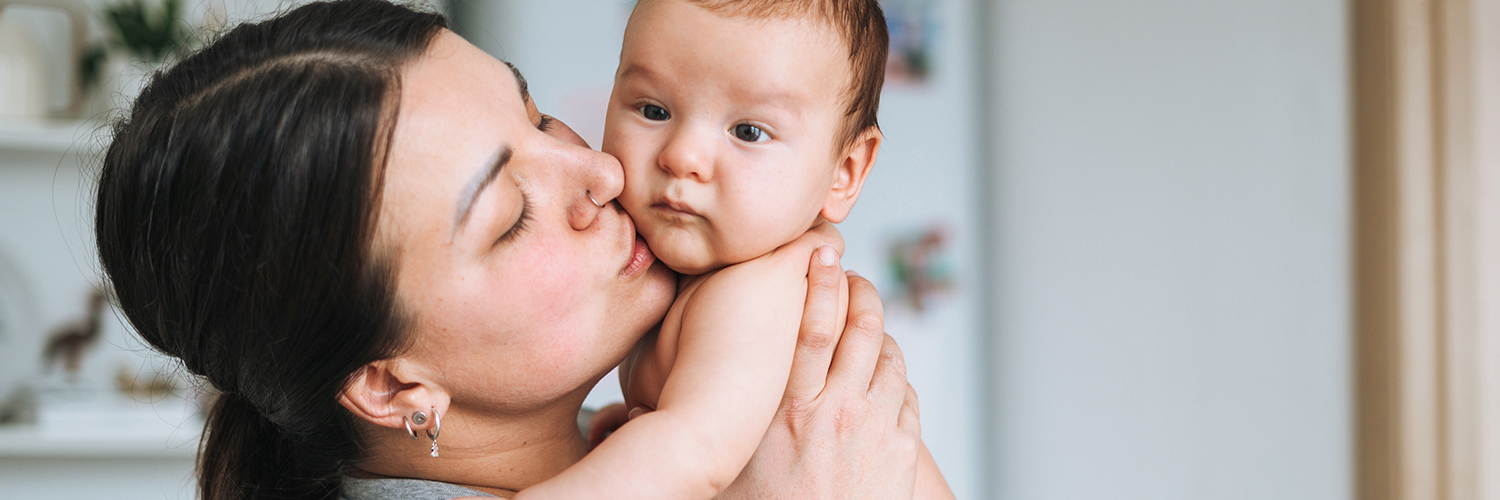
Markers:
848,423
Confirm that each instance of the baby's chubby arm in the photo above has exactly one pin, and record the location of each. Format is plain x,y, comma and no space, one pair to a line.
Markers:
734,354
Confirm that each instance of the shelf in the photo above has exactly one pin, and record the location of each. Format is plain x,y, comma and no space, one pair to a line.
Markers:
52,136
158,442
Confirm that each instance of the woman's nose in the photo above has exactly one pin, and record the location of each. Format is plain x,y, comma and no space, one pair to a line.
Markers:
688,154
602,180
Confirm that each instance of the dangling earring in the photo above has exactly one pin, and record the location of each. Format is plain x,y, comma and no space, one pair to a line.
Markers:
437,427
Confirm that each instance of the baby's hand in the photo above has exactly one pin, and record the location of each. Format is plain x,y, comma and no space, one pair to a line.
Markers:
822,234
609,418
605,421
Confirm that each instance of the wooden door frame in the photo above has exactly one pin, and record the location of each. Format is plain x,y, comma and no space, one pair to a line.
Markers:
1426,121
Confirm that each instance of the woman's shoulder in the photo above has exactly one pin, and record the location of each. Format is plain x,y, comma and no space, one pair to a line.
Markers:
355,488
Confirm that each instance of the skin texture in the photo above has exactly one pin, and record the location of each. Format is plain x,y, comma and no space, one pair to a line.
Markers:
509,336
726,129
689,81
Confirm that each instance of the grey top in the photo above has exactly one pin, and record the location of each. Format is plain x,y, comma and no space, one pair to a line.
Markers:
403,489
417,489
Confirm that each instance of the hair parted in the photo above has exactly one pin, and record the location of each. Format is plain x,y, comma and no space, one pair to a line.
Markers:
861,26
235,219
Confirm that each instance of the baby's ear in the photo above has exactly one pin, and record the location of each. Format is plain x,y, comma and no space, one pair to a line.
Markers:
854,165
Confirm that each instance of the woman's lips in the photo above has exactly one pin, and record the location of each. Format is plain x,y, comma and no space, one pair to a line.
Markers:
640,258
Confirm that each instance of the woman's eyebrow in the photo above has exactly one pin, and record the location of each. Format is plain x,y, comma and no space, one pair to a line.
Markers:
520,82
482,178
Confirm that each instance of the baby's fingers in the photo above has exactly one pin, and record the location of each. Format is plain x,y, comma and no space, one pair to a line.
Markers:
605,422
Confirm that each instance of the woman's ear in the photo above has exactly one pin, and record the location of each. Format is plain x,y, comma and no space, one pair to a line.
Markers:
387,392
854,165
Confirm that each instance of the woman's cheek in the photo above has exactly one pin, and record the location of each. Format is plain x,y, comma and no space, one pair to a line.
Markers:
553,284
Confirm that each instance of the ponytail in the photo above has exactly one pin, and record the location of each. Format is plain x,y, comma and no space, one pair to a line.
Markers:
244,456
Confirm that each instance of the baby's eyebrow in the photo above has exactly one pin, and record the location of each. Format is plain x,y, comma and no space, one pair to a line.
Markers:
787,101
637,70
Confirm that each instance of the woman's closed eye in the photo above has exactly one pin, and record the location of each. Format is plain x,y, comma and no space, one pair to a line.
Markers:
545,123
520,225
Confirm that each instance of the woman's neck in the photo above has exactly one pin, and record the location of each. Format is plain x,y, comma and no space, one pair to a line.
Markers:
497,455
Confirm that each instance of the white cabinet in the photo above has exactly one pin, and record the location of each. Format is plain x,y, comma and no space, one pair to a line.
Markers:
139,465
47,255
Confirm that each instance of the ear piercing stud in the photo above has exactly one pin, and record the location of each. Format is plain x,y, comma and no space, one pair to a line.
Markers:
421,418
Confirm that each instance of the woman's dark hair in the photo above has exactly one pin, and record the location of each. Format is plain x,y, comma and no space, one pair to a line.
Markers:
236,217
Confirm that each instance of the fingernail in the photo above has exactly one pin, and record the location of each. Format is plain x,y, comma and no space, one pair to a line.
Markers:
635,412
826,256
853,272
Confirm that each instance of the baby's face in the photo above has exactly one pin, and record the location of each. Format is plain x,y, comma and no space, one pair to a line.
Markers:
726,129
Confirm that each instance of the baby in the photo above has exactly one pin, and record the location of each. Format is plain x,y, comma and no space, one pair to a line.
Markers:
745,128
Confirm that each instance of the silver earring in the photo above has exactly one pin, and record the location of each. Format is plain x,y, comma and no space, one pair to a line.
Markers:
437,427
591,198
407,423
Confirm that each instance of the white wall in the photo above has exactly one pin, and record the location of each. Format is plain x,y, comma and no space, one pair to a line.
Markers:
1169,204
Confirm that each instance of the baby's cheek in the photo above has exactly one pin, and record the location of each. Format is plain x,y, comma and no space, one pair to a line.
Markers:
753,234
633,200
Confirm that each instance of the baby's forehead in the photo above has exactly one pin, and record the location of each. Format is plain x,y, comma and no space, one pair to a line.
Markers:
807,36
775,15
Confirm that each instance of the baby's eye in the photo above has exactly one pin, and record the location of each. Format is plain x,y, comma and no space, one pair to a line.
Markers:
654,113
749,133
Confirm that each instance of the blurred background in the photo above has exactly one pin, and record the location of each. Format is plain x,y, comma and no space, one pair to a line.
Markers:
1134,249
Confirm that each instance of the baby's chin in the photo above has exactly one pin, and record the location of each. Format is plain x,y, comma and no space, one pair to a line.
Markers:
681,250
689,263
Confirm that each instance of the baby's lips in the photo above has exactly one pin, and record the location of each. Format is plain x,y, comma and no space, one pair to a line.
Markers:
681,207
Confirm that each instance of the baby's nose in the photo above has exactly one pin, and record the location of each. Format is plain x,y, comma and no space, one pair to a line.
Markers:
688,154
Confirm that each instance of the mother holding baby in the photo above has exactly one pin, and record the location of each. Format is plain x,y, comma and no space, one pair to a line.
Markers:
404,279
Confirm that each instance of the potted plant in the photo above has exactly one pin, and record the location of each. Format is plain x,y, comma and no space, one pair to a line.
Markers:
142,36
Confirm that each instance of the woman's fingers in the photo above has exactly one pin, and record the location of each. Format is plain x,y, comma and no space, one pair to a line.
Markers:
888,382
910,418
819,332
864,336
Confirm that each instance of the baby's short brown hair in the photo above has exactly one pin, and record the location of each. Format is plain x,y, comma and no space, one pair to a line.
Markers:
860,23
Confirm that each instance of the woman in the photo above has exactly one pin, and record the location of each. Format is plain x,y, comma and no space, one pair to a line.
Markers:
359,228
